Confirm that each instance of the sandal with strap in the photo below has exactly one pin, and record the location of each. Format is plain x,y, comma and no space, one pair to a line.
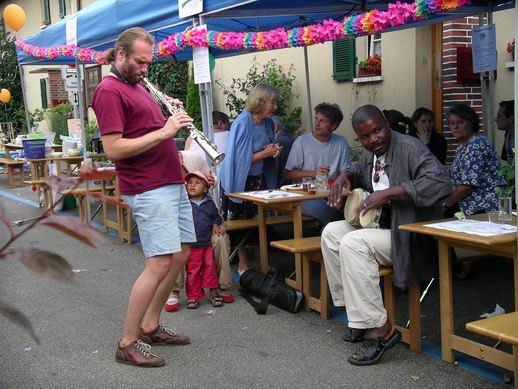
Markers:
216,300
371,350
193,304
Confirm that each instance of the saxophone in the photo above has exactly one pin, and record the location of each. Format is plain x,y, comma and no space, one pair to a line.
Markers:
205,143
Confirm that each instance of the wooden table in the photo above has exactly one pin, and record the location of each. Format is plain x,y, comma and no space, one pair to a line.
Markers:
38,168
8,147
503,245
290,205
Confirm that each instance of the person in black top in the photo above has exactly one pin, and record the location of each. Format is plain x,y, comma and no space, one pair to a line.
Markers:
505,122
423,129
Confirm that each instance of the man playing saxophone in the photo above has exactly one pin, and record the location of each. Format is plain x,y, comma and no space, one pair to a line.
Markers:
139,140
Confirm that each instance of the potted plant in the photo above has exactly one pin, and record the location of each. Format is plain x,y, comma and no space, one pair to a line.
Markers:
370,67
510,48
505,194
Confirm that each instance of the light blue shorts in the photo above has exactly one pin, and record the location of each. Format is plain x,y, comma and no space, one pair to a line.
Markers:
164,219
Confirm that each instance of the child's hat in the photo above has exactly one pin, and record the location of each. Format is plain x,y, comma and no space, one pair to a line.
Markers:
199,174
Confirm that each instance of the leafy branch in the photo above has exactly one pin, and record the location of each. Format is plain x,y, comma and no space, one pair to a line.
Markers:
46,262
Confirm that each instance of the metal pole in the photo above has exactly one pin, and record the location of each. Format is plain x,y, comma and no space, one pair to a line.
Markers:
308,88
491,93
515,130
483,86
82,121
24,94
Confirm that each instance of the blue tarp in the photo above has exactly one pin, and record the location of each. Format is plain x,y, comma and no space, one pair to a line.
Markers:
100,23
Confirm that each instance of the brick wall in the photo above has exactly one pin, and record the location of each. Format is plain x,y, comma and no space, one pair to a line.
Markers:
58,94
457,33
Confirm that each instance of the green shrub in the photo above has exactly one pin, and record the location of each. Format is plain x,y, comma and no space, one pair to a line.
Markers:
272,74
507,173
57,118
91,128
192,107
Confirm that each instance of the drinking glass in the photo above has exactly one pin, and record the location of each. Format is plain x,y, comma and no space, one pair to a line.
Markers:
306,184
322,182
505,208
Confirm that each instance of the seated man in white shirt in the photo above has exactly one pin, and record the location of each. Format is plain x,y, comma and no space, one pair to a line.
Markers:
320,153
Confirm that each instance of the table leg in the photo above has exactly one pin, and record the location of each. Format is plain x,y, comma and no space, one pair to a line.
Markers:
515,267
263,244
297,234
446,301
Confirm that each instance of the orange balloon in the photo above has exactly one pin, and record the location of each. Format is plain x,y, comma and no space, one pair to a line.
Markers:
14,16
5,96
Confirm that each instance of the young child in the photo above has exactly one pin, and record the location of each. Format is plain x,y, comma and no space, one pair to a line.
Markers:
201,268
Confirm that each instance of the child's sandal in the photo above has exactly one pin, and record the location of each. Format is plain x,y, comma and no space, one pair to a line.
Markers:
193,304
216,300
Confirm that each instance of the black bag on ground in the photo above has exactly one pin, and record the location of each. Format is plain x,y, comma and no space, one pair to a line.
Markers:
269,289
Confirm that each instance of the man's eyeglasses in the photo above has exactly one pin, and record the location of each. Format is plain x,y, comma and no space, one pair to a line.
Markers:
378,168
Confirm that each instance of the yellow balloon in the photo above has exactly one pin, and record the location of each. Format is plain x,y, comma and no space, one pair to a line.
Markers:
5,96
14,16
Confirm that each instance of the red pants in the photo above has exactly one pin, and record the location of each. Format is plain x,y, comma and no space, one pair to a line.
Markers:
201,272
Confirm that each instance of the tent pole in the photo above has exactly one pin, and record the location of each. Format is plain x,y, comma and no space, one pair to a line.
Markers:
206,104
308,88
484,90
491,92
24,95
83,135
515,127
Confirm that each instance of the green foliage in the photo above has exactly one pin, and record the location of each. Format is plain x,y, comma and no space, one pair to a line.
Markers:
91,128
193,106
13,111
355,149
507,173
37,116
170,78
57,117
272,74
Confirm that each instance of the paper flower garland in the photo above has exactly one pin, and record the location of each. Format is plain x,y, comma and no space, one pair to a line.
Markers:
397,14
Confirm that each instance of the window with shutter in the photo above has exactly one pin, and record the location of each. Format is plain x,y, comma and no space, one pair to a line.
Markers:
62,9
344,59
45,12
43,91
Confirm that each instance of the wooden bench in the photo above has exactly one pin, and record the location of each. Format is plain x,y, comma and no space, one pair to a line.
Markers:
503,328
48,200
245,224
80,195
123,221
310,250
15,174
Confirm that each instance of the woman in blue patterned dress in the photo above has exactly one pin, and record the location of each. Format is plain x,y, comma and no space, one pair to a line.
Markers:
474,171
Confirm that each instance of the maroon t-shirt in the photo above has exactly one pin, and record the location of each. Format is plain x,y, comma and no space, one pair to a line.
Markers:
130,110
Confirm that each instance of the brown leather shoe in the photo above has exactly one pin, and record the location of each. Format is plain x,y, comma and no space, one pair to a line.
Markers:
163,336
138,353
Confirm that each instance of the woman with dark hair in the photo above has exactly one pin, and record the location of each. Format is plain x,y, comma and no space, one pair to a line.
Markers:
397,121
423,129
474,171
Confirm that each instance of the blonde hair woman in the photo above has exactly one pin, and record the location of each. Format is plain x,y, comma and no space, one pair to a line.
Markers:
249,162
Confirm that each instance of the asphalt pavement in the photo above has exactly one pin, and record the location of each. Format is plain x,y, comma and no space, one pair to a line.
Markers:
79,324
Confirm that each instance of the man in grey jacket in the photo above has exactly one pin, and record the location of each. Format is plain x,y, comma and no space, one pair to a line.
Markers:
404,178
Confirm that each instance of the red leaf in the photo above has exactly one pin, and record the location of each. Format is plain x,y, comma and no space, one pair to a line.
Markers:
74,228
91,172
109,199
59,183
19,318
41,261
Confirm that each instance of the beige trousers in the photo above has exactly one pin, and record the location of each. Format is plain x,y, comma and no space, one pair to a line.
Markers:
221,247
352,257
